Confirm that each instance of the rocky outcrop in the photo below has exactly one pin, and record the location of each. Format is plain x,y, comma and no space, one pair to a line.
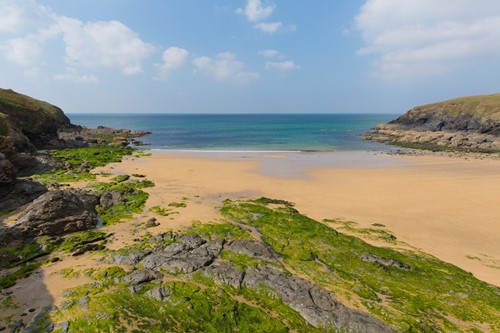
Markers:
19,193
191,254
466,123
58,212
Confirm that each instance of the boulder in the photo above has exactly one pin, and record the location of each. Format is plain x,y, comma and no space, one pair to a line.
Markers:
142,276
250,248
19,193
120,141
57,213
111,198
129,257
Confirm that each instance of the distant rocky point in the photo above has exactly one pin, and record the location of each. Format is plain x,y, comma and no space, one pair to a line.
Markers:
465,123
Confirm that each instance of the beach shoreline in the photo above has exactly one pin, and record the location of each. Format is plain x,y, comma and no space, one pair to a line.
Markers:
445,206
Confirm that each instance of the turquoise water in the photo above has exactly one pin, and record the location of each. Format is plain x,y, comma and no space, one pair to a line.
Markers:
255,132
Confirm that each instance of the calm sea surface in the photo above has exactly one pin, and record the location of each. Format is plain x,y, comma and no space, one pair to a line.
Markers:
256,132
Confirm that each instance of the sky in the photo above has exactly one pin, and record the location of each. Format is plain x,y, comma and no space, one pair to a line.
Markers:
249,56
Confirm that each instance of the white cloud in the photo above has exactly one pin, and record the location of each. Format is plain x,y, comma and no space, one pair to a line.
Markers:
104,44
269,28
23,51
425,37
173,58
282,66
255,11
225,67
72,75
269,53
23,15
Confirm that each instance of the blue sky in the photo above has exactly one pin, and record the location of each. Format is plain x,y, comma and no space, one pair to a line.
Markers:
249,56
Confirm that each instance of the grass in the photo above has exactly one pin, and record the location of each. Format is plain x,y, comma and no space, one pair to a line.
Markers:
433,295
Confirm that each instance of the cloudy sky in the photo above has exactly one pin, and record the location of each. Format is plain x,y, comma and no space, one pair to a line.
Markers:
249,56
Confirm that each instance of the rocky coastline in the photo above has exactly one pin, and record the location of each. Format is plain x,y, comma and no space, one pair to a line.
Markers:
262,267
468,124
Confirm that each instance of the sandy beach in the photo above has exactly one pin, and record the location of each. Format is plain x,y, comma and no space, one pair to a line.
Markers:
445,206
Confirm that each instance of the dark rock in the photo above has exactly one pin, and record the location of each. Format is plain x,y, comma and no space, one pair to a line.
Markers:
192,260
58,212
466,123
88,247
250,248
224,272
160,293
189,254
368,257
130,257
151,223
19,193
142,276
112,198
16,326
191,241
315,304
7,171
120,141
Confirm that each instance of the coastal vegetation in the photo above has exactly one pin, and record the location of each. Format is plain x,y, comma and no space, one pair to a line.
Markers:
464,124
410,290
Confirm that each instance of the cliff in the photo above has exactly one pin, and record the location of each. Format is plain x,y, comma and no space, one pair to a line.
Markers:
27,123
466,123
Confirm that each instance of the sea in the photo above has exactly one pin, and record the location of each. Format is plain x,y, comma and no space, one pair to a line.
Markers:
247,132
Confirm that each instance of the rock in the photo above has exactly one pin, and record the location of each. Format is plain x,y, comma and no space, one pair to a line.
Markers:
88,247
111,198
368,257
61,327
315,304
19,193
120,141
57,213
224,272
318,306
190,241
7,171
160,293
142,276
151,223
466,123
251,248
130,257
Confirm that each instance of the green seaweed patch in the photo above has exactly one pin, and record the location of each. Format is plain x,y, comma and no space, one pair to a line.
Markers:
177,204
77,162
74,241
135,199
223,230
6,212
187,308
10,279
162,211
69,273
410,291
120,178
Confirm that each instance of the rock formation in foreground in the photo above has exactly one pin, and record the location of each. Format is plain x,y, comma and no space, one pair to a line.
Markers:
465,123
